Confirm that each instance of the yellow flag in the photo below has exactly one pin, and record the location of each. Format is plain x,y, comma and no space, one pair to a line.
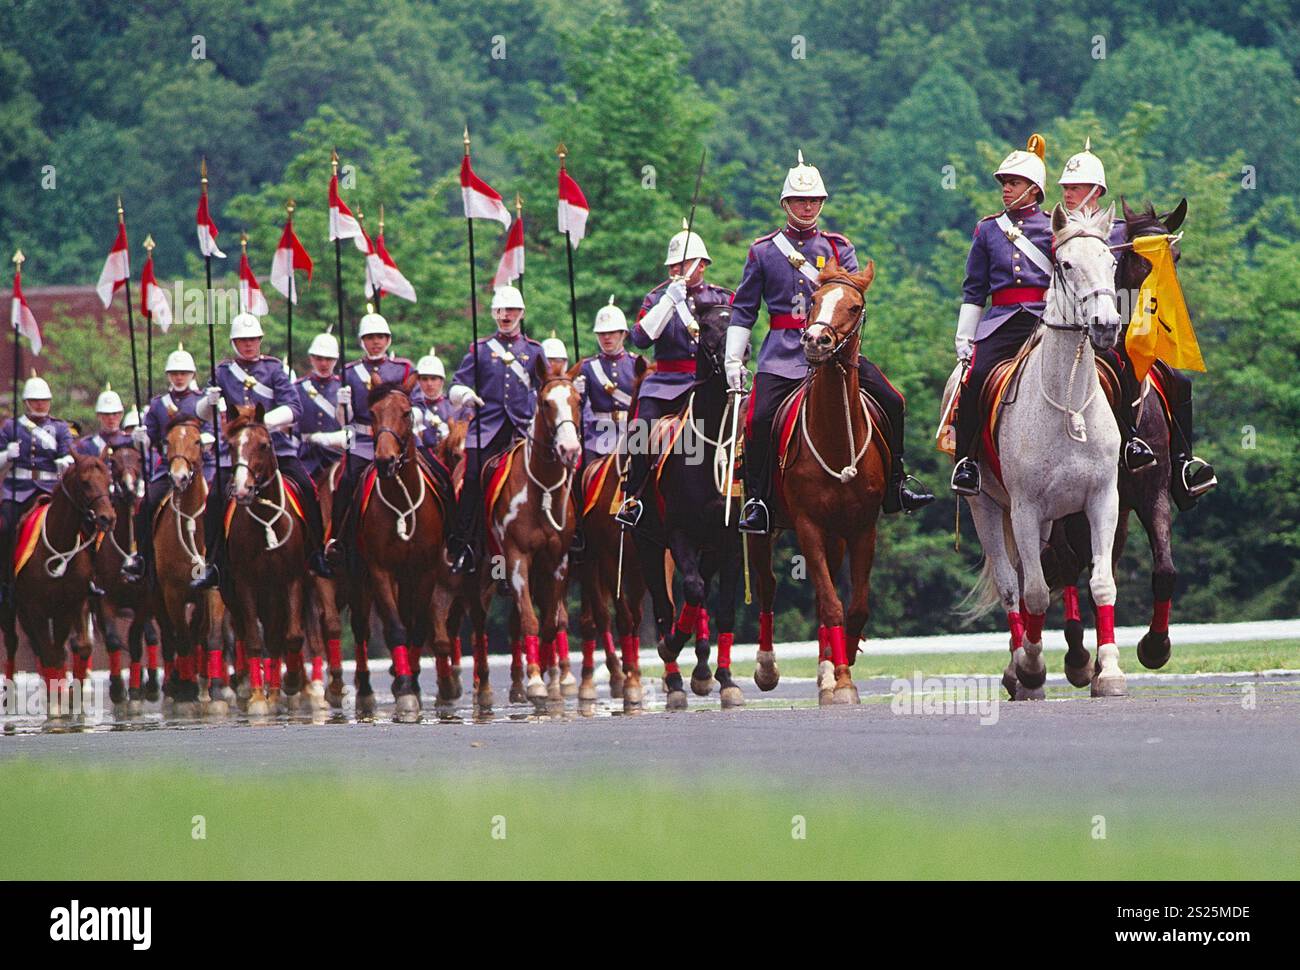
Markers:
1160,325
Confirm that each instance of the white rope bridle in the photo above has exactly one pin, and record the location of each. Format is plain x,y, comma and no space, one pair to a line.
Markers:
56,564
849,471
273,540
548,491
186,536
404,532
721,446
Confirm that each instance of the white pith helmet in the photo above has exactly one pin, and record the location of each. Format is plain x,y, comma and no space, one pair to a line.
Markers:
430,366
681,249
507,298
108,402
372,323
554,349
1084,168
324,345
180,359
245,325
1027,164
132,419
803,182
36,389
609,318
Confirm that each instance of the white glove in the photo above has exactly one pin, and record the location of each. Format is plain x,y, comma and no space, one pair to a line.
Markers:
345,396
968,318
277,419
212,395
459,395
676,291
11,452
734,362
140,437
417,420
338,440
580,384
64,462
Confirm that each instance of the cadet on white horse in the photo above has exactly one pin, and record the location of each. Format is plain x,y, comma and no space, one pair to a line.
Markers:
1058,446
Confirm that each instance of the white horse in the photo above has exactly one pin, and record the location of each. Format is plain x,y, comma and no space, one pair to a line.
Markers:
1059,450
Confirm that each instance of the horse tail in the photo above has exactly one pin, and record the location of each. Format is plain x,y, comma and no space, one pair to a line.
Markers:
981,599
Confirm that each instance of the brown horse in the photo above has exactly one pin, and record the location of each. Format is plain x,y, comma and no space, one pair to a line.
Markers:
53,586
189,621
600,577
324,630
125,606
399,536
832,479
531,520
266,545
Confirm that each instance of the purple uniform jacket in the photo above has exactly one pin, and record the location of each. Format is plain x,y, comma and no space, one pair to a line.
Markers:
94,444
265,382
362,376
771,278
39,444
609,380
318,397
161,410
505,376
675,341
436,414
996,264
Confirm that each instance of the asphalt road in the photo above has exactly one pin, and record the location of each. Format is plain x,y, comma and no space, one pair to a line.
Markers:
1224,738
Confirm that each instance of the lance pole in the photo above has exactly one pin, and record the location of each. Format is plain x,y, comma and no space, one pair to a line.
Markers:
563,152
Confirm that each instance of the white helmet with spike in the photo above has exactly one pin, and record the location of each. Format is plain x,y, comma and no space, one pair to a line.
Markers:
372,323
1085,168
430,366
803,182
507,298
324,345
609,318
681,248
245,325
554,349
1027,164
36,389
180,359
109,402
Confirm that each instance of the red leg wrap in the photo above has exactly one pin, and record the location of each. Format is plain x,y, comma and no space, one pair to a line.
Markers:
533,650
317,668
631,653
216,665
455,650
1034,627
80,667
588,656
151,655
1016,624
688,619
401,661
135,675
1071,596
724,649
610,652
702,625
671,668
765,631
273,674
1105,624
334,654
114,664
255,673
1160,616
562,645
839,653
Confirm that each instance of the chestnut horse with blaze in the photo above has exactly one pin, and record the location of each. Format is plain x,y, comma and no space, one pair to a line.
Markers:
832,478
267,546
400,536
531,518
55,541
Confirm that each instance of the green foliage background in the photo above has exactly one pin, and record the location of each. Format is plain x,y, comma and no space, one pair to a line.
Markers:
1192,99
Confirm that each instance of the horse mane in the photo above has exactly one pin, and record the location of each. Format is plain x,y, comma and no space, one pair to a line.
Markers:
833,272
1077,223
381,391
181,418
239,423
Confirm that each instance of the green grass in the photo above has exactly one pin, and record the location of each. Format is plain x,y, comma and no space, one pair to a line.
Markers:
77,823
1203,658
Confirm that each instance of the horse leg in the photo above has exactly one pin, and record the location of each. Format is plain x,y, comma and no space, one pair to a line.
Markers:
457,688
1030,531
687,562
623,622
862,554
244,611
766,673
535,690
834,679
991,524
728,582
440,643
517,693
702,681
385,593
651,558
359,619
1154,648
115,648
1070,561
331,630
51,659
291,643
593,623
1103,513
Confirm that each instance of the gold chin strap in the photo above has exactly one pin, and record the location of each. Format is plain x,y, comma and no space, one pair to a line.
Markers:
802,225
1015,203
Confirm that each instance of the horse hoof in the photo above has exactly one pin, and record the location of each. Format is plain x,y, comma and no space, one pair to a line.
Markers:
825,696
766,673
616,681
1079,674
216,708
315,689
152,693
1031,672
517,694
334,696
846,694
633,698
1024,693
457,688
366,704
483,699
406,704
1111,686
258,705
121,711
1153,650
702,684
676,700
185,710
732,696
587,690
134,708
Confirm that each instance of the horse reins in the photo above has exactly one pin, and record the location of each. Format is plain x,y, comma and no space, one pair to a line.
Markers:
404,533
59,559
566,477
849,471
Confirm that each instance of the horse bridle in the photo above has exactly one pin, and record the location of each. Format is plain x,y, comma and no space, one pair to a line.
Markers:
554,431
1074,298
86,509
843,340
257,485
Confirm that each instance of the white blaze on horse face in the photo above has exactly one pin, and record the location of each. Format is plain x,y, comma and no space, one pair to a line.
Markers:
239,482
566,432
826,312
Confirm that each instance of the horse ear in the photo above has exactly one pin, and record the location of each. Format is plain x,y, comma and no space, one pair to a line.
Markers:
1059,218
867,274
830,269
541,368
259,413
408,383
1174,219
573,372
1129,215
641,366
1109,216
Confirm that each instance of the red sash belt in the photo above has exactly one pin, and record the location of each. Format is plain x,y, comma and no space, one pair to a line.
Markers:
784,321
1019,294
686,366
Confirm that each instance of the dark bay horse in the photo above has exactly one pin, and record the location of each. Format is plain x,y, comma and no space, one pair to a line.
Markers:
187,619
324,621
531,519
125,607
52,587
266,544
832,481
400,537
688,491
1145,491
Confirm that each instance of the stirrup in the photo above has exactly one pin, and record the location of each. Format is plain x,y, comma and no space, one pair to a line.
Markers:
913,499
1137,454
754,518
464,560
629,513
966,477
1194,488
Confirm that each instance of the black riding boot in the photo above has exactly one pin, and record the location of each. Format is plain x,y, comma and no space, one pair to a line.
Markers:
214,539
